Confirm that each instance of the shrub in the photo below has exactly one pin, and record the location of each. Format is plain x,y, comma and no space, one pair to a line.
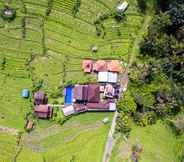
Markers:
49,7
3,63
37,85
99,29
58,116
127,104
177,125
8,13
161,110
145,119
57,93
76,7
119,17
23,27
123,124
136,150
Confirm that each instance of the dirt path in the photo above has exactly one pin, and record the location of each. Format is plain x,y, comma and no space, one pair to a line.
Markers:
7,130
138,39
110,140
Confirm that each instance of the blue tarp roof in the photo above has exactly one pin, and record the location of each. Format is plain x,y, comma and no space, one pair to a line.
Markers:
68,95
25,93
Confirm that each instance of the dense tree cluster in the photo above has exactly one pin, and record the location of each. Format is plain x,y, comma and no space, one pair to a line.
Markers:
165,40
157,77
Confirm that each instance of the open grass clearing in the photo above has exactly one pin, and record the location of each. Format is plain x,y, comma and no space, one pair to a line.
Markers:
159,144
78,137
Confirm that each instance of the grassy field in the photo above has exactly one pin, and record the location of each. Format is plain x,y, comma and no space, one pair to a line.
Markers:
7,147
50,48
82,137
159,144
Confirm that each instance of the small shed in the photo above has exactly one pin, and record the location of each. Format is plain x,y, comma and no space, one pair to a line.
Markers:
29,125
25,93
8,13
112,106
121,8
94,49
87,66
68,110
105,120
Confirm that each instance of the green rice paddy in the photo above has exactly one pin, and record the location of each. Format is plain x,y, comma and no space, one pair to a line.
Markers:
50,48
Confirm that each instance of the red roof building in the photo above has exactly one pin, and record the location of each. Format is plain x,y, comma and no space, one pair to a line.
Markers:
100,65
43,111
114,66
93,93
80,92
40,98
87,66
101,106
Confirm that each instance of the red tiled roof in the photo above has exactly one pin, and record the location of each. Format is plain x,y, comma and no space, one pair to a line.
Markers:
80,92
40,98
42,108
87,65
43,111
93,93
114,66
98,106
100,65
29,125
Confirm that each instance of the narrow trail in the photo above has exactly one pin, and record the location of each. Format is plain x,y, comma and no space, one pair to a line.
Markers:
8,130
138,39
110,139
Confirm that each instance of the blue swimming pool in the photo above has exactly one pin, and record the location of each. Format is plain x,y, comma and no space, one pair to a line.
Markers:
68,95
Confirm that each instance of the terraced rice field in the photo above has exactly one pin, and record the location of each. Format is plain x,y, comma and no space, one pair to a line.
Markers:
36,46
48,44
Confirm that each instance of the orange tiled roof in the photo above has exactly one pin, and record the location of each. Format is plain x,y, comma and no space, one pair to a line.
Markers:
114,66
87,65
100,65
